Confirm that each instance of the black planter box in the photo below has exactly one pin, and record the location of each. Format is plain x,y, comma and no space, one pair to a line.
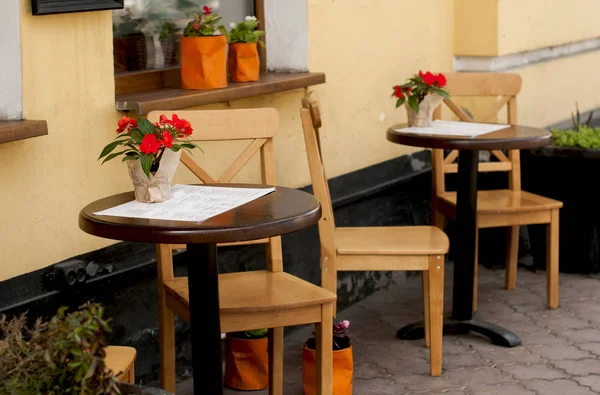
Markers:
568,175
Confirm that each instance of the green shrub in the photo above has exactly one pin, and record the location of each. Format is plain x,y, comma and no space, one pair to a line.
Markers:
585,137
63,356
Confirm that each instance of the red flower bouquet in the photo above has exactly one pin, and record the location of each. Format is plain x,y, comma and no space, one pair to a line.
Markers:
421,94
152,152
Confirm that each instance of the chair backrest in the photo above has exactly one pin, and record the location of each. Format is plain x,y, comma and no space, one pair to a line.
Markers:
258,126
504,87
311,123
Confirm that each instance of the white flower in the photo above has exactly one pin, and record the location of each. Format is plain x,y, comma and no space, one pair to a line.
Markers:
250,18
232,25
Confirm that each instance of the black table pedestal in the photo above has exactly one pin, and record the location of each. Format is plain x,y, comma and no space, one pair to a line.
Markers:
205,322
462,320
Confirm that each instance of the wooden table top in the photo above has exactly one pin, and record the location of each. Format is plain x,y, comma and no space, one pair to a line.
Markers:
283,211
511,137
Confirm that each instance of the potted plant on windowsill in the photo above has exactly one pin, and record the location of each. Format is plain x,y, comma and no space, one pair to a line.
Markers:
168,37
62,356
130,43
247,360
152,153
243,39
343,365
204,52
421,95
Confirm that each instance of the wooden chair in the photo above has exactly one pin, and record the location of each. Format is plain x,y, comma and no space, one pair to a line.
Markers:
121,361
248,300
419,248
495,208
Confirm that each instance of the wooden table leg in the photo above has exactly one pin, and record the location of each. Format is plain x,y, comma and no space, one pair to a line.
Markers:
203,281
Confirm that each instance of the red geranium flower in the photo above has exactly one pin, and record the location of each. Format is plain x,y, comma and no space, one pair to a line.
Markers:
441,80
166,139
183,127
149,144
398,92
126,123
428,78
163,120
207,10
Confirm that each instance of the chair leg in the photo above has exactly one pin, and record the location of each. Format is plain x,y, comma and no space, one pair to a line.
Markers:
438,220
426,307
552,271
325,351
166,334
436,312
476,270
276,361
512,256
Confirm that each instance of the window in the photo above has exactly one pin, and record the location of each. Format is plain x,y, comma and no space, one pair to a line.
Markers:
146,33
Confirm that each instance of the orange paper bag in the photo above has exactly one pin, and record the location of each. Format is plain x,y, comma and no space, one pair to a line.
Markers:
244,63
343,369
246,363
204,62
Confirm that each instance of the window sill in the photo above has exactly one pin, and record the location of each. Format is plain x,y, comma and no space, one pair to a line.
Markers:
19,130
176,98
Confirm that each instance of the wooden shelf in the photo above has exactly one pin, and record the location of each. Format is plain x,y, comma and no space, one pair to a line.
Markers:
19,130
175,98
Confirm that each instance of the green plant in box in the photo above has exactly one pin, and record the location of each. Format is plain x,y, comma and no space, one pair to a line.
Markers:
581,136
245,32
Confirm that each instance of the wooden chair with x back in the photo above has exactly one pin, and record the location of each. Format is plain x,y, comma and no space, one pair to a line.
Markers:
418,248
248,300
510,207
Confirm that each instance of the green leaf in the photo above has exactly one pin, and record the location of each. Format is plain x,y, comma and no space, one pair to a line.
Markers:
413,103
400,102
145,126
442,93
136,135
146,162
114,155
109,148
189,145
127,157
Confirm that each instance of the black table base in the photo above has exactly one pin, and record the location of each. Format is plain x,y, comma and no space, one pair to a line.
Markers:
205,322
463,320
498,335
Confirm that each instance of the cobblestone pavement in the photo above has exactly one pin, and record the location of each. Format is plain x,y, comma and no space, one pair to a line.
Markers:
560,351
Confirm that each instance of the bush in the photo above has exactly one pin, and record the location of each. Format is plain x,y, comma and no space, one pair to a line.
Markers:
63,356
585,137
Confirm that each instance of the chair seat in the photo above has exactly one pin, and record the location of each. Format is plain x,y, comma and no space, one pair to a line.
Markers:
256,291
120,360
391,240
507,201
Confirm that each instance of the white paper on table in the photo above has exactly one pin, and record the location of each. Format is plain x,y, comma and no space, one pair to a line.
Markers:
451,128
194,203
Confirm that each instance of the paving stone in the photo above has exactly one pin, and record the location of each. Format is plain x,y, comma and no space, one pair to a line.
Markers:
591,381
533,371
594,348
581,335
556,353
561,386
377,386
581,367
500,389
477,376
415,382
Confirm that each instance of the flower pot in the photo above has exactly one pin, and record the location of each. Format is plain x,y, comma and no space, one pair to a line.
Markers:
246,363
204,62
170,49
157,188
130,53
343,369
426,107
244,63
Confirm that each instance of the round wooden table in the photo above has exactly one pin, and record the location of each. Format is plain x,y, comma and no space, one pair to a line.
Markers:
511,137
283,211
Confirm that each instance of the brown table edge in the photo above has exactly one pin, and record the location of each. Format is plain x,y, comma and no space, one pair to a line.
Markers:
142,105
22,129
99,228
469,143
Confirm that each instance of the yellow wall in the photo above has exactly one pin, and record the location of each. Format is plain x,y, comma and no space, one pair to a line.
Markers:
68,81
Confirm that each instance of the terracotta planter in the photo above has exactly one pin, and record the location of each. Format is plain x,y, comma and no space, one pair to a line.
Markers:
426,108
157,188
204,62
244,63
343,370
246,363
